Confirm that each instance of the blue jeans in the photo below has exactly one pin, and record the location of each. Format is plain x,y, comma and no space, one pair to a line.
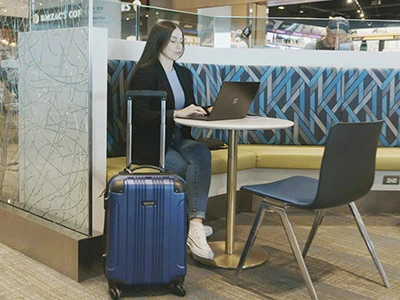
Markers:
192,161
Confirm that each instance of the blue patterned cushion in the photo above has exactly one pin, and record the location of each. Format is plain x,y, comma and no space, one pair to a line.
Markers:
305,95
119,77
371,95
314,98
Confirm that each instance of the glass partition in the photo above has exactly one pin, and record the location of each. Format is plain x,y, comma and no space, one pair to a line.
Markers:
229,32
10,27
198,29
250,32
365,35
45,110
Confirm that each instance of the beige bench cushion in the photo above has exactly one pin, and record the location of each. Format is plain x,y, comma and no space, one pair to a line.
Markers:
309,157
388,158
275,157
286,157
246,160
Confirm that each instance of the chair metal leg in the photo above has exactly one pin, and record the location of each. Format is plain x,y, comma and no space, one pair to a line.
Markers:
250,241
296,250
368,242
317,221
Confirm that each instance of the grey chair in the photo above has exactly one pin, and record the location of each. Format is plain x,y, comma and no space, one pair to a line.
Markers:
346,174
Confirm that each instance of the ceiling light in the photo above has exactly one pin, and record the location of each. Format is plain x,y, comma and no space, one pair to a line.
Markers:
358,10
301,11
281,7
330,18
349,1
362,15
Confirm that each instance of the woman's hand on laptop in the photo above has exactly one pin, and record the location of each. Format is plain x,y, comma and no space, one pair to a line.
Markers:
191,110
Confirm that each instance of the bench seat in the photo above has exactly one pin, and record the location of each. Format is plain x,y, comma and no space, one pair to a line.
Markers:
286,157
310,157
257,163
246,160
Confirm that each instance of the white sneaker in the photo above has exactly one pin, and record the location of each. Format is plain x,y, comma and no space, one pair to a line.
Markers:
208,230
197,241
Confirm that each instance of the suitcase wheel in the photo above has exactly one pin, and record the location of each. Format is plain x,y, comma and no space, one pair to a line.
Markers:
115,293
177,289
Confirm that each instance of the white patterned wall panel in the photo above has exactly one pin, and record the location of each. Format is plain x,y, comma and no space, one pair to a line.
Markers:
54,125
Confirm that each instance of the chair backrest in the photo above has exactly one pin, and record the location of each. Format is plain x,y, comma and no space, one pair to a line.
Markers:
348,165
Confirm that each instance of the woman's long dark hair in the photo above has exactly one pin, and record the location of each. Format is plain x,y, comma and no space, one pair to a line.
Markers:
158,39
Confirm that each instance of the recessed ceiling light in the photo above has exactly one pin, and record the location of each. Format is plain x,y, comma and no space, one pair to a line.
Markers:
281,7
362,15
301,11
349,1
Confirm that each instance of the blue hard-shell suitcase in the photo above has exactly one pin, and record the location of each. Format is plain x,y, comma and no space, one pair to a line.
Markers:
146,223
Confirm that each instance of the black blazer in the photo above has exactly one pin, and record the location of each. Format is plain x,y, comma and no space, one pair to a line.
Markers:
146,111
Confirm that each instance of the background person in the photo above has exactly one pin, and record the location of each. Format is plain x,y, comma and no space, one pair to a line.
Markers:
336,37
157,70
242,38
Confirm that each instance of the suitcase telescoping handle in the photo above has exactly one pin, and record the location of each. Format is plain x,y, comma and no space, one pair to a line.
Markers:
129,97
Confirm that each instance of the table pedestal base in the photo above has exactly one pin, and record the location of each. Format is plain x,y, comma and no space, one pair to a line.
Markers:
256,257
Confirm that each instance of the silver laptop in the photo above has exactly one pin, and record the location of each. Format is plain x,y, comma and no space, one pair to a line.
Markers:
233,101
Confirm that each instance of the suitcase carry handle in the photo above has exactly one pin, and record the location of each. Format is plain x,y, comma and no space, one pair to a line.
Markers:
145,93
130,171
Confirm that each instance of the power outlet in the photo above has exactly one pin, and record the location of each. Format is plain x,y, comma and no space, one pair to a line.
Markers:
392,180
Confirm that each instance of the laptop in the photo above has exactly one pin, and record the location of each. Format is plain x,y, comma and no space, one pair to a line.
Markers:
233,101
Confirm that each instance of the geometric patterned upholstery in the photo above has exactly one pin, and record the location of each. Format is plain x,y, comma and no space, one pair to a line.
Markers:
374,94
119,76
306,96
313,97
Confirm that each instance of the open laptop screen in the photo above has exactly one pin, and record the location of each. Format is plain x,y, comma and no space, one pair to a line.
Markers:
233,101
